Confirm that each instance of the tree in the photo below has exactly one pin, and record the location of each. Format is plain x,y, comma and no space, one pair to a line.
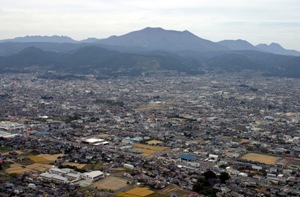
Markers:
209,175
224,176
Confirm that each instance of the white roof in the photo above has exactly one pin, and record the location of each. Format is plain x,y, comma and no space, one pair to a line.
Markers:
54,176
93,140
93,174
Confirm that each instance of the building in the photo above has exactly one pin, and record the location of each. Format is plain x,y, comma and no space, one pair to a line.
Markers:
54,177
93,175
9,126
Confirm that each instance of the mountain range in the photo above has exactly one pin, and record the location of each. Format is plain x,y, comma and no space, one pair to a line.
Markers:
149,49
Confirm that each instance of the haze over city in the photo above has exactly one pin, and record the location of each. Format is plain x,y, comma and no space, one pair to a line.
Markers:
257,21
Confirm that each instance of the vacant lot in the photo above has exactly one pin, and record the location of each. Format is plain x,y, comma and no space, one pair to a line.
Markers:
110,183
266,159
148,150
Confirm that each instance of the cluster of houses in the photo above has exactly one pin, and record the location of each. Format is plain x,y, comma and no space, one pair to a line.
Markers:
202,122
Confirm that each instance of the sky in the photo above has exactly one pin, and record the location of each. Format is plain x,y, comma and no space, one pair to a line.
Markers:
257,21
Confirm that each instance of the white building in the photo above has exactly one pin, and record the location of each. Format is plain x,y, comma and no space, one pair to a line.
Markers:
9,126
54,177
93,175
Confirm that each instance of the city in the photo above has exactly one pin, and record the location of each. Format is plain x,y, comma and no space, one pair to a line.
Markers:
162,134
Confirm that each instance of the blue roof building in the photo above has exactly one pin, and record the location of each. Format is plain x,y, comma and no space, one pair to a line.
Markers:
187,157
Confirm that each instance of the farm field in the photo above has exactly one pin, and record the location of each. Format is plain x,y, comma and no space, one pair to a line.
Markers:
44,158
19,169
172,188
110,183
261,158
147,149
136,192
77,165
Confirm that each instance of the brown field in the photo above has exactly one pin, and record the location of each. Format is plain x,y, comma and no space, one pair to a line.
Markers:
19,169
112,183
44,158
38,159
266,159
77,165
39,167
136,192
229,154
148,150
16,151
51,158
172,188
118,171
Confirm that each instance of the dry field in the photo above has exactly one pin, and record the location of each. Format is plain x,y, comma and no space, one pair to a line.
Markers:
136,192
228,154
16,151
38,159
110,183
44,158
39,167
172,188
77,165
266,159
148,150
51,158
19,169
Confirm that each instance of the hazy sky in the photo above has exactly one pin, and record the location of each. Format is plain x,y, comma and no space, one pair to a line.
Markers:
254,20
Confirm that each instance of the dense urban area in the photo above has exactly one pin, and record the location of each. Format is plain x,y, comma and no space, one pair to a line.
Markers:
162,134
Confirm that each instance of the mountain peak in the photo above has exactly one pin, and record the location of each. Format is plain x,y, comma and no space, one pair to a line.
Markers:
153,29
157,38
275,45
237,44
277,49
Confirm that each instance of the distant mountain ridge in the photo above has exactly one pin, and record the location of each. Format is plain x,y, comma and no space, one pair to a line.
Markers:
238,44
94,59
277,49
165,40
146,50
49,39
245,45
149,39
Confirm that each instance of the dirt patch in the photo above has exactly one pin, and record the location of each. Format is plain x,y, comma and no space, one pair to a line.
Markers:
110,183
148,150
261,158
